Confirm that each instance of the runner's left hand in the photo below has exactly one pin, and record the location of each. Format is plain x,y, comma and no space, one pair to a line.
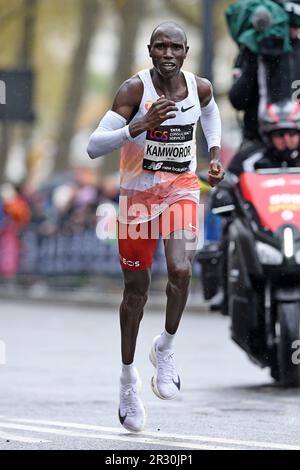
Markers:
216,172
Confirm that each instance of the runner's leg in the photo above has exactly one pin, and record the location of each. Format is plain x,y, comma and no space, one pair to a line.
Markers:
179,265
165,382
132,413
136,285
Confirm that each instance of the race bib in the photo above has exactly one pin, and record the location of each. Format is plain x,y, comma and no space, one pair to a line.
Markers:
169,148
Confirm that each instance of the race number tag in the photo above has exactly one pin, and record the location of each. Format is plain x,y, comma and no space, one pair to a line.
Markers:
169,148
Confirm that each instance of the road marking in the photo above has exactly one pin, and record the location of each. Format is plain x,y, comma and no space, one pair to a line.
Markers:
15,437
134,438
182,437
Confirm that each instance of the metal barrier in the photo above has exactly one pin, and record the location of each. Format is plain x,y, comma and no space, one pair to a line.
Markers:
76,253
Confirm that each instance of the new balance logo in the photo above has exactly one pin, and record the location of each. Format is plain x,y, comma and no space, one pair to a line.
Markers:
155,166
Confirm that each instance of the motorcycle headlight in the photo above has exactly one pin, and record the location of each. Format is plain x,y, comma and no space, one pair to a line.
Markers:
268,254
288,242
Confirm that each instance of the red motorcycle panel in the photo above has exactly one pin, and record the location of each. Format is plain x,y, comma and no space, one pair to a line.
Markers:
276,198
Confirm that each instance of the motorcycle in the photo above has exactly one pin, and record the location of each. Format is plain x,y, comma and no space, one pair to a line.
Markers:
261,267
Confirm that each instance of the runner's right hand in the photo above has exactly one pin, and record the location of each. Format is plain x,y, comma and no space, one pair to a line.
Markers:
160,111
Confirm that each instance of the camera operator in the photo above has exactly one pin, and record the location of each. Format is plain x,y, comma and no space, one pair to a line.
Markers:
263,78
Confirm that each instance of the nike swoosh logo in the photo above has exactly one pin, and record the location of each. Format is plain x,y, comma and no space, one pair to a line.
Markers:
183,110
177,383
192,226
122,418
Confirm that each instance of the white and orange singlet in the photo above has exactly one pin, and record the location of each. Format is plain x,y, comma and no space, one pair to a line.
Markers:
157,167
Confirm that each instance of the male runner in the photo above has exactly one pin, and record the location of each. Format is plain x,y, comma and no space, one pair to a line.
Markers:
153,118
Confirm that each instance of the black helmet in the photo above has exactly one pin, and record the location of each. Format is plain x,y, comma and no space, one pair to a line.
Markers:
277,116
280,116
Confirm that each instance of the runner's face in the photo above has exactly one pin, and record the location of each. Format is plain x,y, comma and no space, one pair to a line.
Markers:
168,51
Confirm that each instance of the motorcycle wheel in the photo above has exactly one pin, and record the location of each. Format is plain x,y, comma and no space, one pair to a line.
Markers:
288,317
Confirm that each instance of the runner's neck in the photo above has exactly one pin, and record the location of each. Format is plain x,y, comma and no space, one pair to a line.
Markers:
174,88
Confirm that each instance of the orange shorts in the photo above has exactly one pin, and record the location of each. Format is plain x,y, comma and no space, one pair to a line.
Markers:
137,242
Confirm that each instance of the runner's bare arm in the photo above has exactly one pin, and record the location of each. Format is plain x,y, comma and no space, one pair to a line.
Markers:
211,125
113,129
116,128
127,102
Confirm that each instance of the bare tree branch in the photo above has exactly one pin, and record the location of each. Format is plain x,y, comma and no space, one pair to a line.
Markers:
130,13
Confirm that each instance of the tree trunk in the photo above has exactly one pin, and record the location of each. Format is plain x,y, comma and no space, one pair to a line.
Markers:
24,61
27,41
130,14
75,87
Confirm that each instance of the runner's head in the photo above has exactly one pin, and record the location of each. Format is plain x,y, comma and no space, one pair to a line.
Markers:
168,48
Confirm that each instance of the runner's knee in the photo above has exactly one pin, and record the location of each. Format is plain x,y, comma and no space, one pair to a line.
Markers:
135,301
180,273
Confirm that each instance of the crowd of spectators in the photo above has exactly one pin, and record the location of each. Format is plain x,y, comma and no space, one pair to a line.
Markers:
38,225
52,230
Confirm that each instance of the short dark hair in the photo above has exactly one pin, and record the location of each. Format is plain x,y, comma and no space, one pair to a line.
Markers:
168,24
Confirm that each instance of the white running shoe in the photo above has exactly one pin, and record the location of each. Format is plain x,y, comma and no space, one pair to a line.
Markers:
131,411
166,382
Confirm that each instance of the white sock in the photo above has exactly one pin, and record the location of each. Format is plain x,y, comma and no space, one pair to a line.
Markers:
165,341
128,373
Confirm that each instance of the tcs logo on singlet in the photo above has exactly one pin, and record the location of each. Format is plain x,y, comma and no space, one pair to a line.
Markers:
158,135
148,104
